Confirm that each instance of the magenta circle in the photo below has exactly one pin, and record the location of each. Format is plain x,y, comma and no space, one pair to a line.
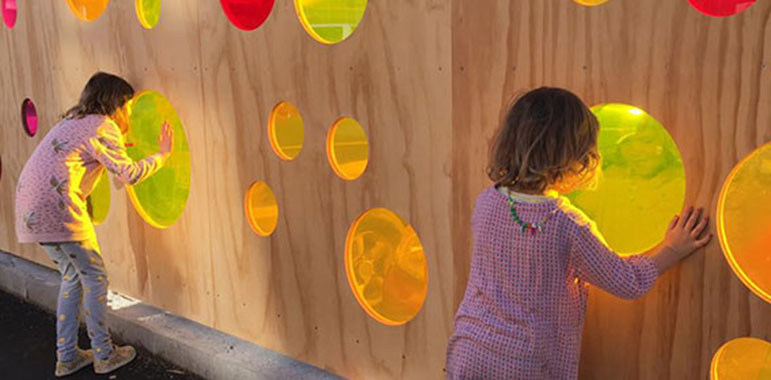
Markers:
9,12
722,8
29,117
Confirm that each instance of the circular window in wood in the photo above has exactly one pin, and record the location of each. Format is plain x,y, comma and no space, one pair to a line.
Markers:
591,3
641,183
347,148
261,209
162,198
744,221
722,8
29,117
148,12
88,10
98,202
742,359
386,267
247,14
10,10
330,21
286,131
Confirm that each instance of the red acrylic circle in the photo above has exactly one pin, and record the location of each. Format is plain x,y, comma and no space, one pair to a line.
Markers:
247,14
29,117
9,12
722,8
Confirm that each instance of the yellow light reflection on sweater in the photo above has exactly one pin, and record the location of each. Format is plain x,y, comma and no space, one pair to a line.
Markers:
98,202
641,185
744,221
386,266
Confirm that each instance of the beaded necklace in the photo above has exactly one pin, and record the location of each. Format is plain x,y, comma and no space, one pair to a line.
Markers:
532,227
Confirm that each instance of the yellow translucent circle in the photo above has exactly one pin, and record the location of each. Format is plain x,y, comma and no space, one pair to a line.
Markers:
330,21
386,266
744,221
161,199
742,359
590,3
88,10
641,184
286,131
148,12
261,209
98,202
348,148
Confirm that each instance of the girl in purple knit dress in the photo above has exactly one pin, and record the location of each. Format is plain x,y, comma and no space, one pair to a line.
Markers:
534,253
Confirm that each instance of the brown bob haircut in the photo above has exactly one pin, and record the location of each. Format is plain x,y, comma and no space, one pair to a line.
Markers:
103,95
548,136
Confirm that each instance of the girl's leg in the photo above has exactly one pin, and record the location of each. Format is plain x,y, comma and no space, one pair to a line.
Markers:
88,262
68,306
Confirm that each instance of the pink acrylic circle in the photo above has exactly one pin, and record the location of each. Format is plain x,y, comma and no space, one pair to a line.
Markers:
9,12
29,117
722,8
247,14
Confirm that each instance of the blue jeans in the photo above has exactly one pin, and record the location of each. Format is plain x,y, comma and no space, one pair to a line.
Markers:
83,279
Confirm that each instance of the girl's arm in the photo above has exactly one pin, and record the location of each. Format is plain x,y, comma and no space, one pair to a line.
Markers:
633,276
108,148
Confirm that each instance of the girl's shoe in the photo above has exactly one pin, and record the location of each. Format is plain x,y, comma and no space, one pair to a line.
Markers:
120,356
82,359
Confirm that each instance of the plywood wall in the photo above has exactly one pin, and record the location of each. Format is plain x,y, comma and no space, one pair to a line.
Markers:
288,292
427,80
707,80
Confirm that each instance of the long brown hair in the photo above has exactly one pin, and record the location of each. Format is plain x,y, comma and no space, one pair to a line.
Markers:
548,136
103,95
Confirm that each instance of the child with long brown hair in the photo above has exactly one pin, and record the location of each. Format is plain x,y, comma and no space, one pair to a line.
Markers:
534,253
51,210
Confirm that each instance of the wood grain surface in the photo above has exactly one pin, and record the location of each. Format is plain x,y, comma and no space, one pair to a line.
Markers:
427,80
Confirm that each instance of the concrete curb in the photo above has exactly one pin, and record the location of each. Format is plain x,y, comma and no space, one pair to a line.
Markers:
199,349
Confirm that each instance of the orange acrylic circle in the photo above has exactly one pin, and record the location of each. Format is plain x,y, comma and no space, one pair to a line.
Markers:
88,10
744,221
386,267
741,359
590,3
347,149
261,209
286,131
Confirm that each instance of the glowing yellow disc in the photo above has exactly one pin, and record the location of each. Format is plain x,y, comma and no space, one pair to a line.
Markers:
286,131
742,359
162,198
88,10
744,221
261,209
98,202
330,21
148,12
641,186
348,149
386,267
591,3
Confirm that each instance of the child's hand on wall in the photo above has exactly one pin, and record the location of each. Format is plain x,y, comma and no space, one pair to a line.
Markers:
166,138
684,236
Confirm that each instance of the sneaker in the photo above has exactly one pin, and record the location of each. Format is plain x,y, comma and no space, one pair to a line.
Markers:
82,359
120,356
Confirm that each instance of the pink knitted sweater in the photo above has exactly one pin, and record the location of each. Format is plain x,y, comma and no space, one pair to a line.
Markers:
524,306
61,173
